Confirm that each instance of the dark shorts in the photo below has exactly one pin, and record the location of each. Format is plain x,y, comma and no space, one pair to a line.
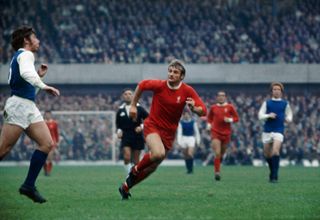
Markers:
133,143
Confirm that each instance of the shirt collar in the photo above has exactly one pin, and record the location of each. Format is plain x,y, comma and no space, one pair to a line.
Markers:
174,87
223,104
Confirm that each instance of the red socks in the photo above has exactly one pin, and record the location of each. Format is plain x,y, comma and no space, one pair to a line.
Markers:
144,163
217,162
125,187
141,171
142,175
47,167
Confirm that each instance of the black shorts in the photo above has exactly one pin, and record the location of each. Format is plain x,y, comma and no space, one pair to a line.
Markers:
133,143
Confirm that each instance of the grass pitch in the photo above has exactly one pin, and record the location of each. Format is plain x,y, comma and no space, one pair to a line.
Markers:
92,193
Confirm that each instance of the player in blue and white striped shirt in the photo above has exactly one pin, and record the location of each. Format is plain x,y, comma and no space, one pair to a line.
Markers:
20,112
188,136
275,112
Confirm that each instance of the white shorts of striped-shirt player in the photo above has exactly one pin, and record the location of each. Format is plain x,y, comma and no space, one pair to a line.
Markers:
21,112
269,137
187,141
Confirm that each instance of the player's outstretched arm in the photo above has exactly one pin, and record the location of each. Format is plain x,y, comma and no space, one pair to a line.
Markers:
51,90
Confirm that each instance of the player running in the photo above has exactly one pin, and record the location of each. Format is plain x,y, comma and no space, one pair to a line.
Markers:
169,99
20,112
54,131
220,118
188,136
275,112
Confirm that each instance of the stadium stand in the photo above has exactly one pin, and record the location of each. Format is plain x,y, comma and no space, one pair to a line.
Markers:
196,31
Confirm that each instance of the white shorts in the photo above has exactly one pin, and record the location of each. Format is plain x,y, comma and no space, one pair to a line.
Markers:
21,112
270,136
188,141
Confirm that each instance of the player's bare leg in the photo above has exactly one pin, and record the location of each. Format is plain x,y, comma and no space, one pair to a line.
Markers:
127,158
156,153
38,132
216,144
48,164
223,150
267,151
146,166
156,147
9,136
136,156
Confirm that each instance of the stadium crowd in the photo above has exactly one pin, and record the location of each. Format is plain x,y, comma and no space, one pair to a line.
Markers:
196,31
89,138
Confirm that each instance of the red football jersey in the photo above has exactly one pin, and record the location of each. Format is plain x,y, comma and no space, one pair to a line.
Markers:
168,104
53,128
216,117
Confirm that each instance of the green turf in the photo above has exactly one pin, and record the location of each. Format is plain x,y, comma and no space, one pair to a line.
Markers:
92,193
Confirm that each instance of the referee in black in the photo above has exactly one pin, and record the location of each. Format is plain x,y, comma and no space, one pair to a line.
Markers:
129,131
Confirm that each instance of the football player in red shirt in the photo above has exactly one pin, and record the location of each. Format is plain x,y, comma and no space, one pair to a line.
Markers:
53,128
220,117
169,99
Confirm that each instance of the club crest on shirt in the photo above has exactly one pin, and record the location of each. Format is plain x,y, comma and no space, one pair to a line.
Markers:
225,110
122,114
178,99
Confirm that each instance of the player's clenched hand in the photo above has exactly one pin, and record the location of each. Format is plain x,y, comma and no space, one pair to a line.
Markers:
190,102
133,112
42,70
119,133
138,129
51,90
272,115
227,119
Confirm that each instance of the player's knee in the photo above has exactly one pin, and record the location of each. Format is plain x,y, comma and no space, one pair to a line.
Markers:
126,158
47,146
158,156
4,150
267,154
275,153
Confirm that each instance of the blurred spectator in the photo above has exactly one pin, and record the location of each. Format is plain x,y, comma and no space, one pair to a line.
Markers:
78,146
196,31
